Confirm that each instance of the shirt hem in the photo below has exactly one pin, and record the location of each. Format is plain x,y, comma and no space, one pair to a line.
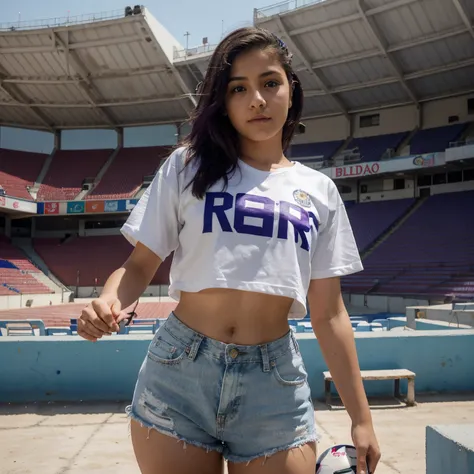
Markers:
354,267
299,311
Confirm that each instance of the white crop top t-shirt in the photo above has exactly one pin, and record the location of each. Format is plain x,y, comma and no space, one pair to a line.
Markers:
269,231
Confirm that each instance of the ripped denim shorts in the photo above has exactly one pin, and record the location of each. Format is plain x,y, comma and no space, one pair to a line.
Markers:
242,401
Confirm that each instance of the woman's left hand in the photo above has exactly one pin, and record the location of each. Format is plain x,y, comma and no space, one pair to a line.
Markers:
368,451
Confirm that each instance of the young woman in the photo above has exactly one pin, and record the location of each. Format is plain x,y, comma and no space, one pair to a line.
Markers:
253,235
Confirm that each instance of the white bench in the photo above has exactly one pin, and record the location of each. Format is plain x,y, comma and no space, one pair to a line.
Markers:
395,374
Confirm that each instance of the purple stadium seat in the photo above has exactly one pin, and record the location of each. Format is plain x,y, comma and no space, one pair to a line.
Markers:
432,254
431,140
371,219
324,149
372,148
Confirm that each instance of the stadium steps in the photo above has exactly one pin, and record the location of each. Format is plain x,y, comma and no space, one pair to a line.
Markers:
39,180
394,227
46,277
100,174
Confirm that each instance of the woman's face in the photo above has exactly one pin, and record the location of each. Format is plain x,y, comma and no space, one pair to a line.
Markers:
258,95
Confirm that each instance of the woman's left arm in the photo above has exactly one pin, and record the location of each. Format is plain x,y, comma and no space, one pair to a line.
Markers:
333,329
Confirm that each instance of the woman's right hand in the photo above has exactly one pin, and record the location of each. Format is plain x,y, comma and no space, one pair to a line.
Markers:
99,318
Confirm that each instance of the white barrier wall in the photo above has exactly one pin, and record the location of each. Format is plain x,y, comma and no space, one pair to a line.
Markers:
324,130
20,301
399,119
88,291
436,114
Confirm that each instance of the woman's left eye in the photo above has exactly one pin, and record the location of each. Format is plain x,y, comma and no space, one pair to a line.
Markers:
272,84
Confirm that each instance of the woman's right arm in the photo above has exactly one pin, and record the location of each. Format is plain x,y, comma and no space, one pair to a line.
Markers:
124,286
152,228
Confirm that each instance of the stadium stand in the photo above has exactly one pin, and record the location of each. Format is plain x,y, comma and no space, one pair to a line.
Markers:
436,139
67,171
95,258
323,150
373,148
437,248
19,169
15,272
371,219
125,175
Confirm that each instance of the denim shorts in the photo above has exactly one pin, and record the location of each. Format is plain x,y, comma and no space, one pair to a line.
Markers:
242,401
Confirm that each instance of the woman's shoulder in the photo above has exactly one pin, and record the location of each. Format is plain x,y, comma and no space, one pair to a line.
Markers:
177,157
315,178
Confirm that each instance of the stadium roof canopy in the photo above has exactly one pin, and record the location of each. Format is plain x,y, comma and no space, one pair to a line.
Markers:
357,55
351,56
89,72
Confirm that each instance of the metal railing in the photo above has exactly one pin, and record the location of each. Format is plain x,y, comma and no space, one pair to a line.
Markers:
62,21
186,53
282,7
467,141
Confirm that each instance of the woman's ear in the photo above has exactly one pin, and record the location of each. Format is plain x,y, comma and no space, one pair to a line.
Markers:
291,94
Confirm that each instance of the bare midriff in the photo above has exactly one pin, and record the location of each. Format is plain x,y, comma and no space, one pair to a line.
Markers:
235,316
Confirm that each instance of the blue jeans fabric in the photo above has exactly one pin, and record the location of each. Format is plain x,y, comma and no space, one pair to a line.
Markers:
242,401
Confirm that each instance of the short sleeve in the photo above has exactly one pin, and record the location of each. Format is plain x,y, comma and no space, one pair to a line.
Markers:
154,220
336,252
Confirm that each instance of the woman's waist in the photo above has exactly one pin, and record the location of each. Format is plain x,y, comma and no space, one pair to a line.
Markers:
235,316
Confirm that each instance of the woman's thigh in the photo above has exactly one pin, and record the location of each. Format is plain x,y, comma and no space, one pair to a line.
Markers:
158,453
300,460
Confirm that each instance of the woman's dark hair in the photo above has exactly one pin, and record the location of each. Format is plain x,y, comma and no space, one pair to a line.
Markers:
213,141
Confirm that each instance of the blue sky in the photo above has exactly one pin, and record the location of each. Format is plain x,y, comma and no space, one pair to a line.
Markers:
199,18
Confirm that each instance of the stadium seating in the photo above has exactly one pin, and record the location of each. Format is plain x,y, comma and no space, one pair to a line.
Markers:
90,260
373,148
19,169
125,175
67,172
436,139
432,253
371,219
16,272
323,150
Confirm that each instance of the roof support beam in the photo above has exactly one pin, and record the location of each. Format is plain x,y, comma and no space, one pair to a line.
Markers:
73,46
316,75
21,99
464,16
119,103
393,80
382,44
392,48
308,92
50,80
349,18
188,105
85,85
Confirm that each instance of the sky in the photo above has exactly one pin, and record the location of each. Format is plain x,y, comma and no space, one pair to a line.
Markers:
200,18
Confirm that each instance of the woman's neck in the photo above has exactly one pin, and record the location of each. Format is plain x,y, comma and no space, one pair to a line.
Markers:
263,155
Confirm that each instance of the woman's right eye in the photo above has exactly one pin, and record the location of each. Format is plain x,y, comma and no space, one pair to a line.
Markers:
237,89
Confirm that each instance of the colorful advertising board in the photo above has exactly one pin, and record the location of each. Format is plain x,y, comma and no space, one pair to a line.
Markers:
360,170
86,207
14,204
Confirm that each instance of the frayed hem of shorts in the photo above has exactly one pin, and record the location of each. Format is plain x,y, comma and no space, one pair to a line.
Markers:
296,444
172,434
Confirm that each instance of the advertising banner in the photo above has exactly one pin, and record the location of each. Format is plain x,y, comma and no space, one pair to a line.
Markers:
86,207
94,206
14,204
76,207
360,170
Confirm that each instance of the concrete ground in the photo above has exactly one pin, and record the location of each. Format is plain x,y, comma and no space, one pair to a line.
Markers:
93,438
